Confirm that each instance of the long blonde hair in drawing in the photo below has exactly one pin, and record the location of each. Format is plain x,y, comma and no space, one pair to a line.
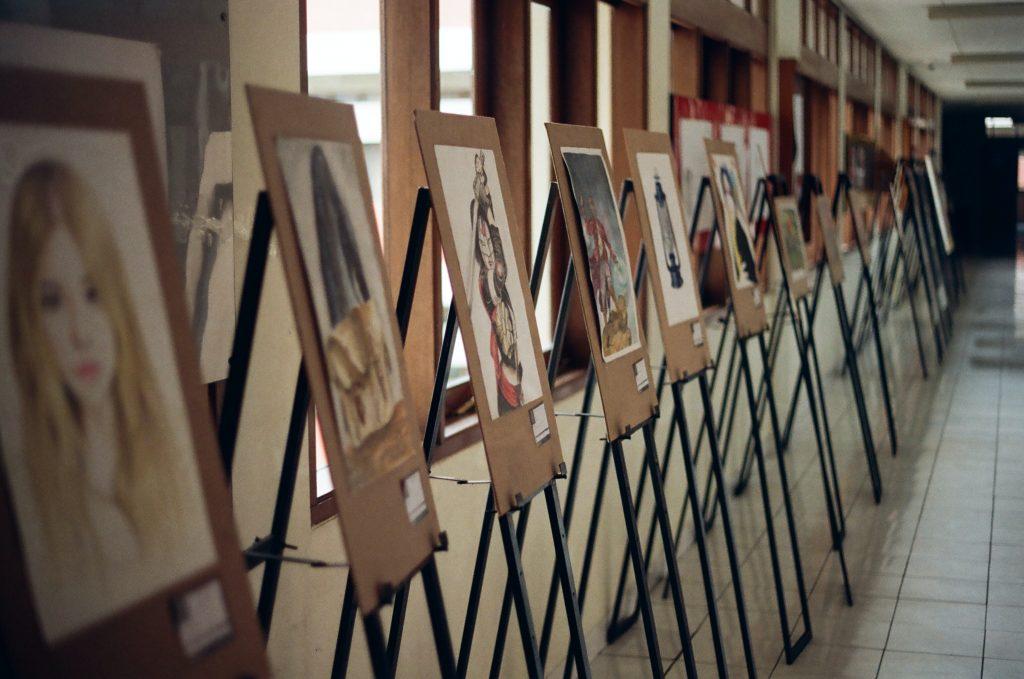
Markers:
50,196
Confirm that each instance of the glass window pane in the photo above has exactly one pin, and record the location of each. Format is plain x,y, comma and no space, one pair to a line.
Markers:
540,154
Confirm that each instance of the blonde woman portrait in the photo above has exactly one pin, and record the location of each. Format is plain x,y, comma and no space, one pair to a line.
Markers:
103,469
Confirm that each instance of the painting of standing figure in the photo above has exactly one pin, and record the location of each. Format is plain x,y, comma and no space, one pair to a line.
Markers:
791,232
349,300
608,267
671,257
730,194
476,209
97,448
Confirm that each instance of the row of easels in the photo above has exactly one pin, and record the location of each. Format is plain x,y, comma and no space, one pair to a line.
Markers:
797,303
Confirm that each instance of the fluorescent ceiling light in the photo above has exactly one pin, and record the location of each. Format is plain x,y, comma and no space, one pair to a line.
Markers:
1003,84
988,58
998,122
980,10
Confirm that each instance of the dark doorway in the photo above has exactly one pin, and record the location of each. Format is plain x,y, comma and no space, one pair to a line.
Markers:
980,171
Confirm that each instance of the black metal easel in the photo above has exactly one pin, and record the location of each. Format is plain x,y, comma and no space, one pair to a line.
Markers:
678,425
510,540
269,550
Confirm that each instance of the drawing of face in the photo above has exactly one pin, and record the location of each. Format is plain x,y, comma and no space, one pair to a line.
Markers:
74,320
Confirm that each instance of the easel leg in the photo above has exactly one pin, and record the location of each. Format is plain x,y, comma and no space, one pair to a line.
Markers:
343,645
569,596
858,394
637,559
883,373
815,366
792,649
508,597
519,596
830,486
730,544
812,314
570,503
476,587
698,530
438,619
378,648
588,553
285,496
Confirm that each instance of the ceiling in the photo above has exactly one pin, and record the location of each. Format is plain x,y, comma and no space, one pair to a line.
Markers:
992,33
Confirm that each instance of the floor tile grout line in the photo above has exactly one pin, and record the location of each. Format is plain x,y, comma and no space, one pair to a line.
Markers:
992,519
917,525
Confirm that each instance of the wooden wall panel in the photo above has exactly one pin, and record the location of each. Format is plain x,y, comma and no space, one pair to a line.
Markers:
715,75
629,98
740,86
573,100
786,144
686,61
501,89
410,81
758,85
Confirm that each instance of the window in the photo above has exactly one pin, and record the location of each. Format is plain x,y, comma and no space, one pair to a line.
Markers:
540,155
343,63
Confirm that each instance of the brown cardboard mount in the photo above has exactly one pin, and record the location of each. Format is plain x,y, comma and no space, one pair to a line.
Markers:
751,318
142,639
799,281
683,356
625,407
829,238
519,466
384,548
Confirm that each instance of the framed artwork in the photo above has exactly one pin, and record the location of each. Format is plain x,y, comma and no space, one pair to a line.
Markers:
609,274
938,204
483,246
319,192
112,493
862,206
738,248
184,61
830,237
603,275
670,262
794,250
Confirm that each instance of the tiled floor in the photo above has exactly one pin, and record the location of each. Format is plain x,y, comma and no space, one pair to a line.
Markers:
937,568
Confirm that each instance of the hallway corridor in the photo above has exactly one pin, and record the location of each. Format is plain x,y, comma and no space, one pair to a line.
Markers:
937,568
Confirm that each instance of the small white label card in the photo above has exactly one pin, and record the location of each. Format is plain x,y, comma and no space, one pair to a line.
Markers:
640,372
415,500
539,420
201,616
757,296
698,334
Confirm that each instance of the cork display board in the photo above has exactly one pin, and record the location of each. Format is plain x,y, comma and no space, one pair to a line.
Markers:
604,276
790,234
830,238
319,192
120,551
483,242
739,253
670,269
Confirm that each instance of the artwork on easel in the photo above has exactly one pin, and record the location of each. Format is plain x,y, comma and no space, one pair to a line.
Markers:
319,194
738,245
491,279
110,474
671,244
794,251
740,241
608,269
603,276
830,237
350,306
484,249
938,204
674,284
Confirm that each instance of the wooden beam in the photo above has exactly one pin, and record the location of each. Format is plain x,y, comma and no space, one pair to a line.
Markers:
410,82
501,89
